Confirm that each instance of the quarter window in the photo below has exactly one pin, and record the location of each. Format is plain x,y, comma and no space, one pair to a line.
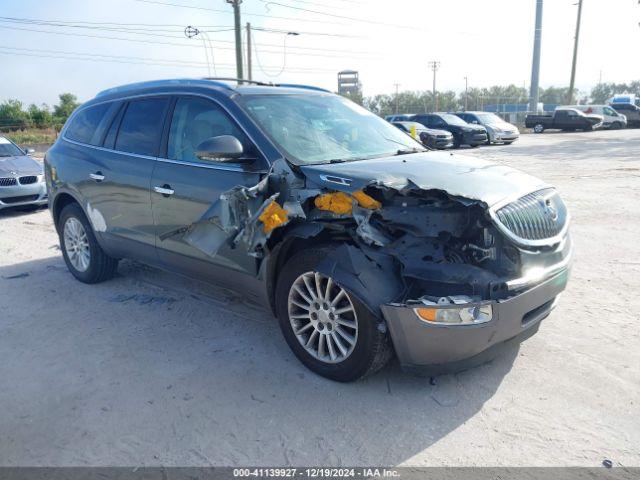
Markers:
196,120
141,126
84,125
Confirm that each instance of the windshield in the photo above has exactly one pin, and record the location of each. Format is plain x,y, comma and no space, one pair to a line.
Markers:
8,149
489,118
321,128
452,119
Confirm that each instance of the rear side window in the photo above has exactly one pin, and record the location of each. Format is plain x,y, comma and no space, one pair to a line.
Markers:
141,126
84,126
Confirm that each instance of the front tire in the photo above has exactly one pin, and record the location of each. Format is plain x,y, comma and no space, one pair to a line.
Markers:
330,331
83,255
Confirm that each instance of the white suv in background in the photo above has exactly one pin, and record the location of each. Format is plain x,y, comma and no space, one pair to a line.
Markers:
611,118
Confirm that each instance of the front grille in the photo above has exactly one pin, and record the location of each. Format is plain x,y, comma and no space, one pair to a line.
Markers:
7,182
28,180
20,199
536,216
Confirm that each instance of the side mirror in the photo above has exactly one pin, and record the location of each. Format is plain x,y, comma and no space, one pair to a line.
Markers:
475,122
225,148
29,151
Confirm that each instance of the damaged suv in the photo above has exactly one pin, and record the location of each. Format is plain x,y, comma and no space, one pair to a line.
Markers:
362,242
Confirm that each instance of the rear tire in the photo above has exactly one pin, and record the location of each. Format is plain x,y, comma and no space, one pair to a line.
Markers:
83,255
371,348
538,128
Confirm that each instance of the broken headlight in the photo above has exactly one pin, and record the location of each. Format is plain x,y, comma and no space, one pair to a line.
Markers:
454,310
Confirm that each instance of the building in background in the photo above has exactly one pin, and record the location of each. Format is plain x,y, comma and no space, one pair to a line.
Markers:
348,83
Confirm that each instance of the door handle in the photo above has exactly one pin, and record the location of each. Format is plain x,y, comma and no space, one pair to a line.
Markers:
165,190
98,176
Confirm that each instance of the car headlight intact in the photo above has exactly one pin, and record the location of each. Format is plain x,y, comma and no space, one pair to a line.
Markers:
458,310
40,178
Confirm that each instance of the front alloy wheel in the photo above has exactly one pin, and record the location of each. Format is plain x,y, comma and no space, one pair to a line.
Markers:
322,317
327,326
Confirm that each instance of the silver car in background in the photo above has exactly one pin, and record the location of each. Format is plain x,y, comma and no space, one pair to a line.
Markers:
498,131
21,177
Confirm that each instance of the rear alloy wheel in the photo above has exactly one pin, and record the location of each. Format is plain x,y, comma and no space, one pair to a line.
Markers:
83,255
538,128
76,244
327,327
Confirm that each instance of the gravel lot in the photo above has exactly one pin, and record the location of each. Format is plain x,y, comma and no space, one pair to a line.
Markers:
153,369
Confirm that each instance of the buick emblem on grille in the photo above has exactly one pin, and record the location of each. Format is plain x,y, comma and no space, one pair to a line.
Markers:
550,211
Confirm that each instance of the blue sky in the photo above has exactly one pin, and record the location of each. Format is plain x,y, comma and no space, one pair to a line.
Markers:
389,42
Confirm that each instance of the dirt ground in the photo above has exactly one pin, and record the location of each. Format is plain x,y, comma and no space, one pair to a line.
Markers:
154,369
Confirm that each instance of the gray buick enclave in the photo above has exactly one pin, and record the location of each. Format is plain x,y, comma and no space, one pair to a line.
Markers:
363,243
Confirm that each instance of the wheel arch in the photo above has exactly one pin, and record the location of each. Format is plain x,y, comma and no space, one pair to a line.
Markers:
294,240
62,200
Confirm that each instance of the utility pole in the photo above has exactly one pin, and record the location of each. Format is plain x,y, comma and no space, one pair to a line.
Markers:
434,66
236,17
397,85
249,73
575,55
466,93
535,67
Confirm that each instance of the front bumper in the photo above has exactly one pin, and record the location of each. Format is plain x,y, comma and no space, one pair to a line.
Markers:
438,349
441,143
474,138
504,136
23,195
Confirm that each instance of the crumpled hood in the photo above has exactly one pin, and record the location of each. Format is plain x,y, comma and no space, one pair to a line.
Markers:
21,165
458,175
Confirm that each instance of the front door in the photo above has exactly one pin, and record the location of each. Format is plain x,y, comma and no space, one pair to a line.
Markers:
184,187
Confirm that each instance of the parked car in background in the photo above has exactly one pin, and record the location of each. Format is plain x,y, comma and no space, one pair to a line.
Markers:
610,118
438,139
405,117
626,98
463,133
630,111
361,241
21,177
568,120
498,130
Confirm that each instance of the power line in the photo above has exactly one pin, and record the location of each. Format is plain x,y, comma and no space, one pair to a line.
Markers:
342,17
91,56
169,4
95,26
153,42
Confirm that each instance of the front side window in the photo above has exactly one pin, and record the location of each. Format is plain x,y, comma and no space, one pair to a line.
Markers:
323,128
196,120
141,126
84,125
8,149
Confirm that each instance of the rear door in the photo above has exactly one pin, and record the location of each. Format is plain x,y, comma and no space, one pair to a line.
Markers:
123,204
191,186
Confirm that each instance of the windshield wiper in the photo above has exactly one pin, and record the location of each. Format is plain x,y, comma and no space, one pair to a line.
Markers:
408,151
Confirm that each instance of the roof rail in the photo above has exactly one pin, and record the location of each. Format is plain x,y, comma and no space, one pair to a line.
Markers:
239,80
306,87
160,83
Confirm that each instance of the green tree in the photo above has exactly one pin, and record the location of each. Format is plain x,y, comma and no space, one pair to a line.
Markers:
40,116
12,116
68,103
